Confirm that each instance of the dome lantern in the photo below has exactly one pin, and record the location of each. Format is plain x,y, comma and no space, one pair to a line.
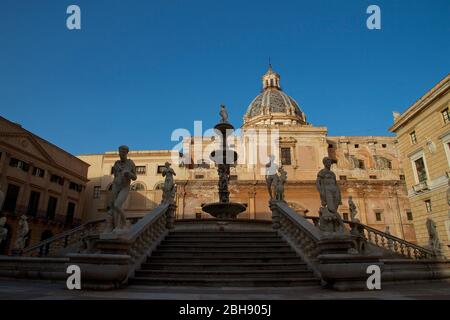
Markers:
272,106
271,79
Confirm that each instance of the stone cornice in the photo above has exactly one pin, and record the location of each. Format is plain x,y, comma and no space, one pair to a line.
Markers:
437,91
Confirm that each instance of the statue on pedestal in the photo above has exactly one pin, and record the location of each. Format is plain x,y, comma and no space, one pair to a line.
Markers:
223,114
330,198
169,185
271,173
3,230
22,234
389,241
124,171
279,182
433,239
353,209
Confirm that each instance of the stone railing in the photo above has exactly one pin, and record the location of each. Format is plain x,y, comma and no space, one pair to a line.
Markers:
302,235
363,234
140,239
60,243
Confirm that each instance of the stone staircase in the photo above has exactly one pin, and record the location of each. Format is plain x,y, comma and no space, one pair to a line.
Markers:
224,259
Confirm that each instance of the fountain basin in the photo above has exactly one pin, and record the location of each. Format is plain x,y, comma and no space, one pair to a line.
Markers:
224,210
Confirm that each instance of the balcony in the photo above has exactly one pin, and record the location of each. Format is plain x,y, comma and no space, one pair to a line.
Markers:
421,187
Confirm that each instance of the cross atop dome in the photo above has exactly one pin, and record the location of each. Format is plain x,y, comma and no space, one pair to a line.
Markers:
271,79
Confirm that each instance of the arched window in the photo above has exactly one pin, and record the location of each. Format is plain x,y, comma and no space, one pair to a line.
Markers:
159,186
138,186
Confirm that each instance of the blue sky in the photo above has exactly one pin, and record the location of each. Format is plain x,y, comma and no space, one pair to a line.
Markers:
137,70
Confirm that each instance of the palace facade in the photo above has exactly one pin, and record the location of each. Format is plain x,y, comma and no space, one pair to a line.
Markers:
423,132
368,168
41,181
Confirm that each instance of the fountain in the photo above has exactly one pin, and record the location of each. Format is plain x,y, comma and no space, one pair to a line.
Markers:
224,158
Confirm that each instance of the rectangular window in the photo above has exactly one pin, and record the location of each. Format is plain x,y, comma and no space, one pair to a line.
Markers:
96,192
51,207
33,203
141,169
428,205
345,216
384,145
70,213
160,169
402,177
199,176
75,186
12,193
409,215
38,172
378,215
361,164
372,177
342,177
421,170
330,146
16,163
285,156
356,146
445,115
57,179
413,137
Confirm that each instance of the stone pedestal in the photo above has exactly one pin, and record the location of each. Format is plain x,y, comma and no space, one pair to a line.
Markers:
344,272
101,271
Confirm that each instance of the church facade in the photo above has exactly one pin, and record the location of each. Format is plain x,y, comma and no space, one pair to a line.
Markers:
367,168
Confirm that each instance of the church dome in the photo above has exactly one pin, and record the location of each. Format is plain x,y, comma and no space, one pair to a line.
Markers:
272,103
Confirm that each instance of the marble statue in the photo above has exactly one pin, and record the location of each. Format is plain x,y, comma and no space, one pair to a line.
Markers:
330,194
279,182
22,233
169,184
124,171
2,197
271,173
223,114
3,230
352,208
330,198
433,239
390,243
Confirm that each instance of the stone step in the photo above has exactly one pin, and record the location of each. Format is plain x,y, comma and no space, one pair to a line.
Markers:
222,259
169,240
281,253
225,274
223,233
248,239
232,282
244,266
229,249
236,245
